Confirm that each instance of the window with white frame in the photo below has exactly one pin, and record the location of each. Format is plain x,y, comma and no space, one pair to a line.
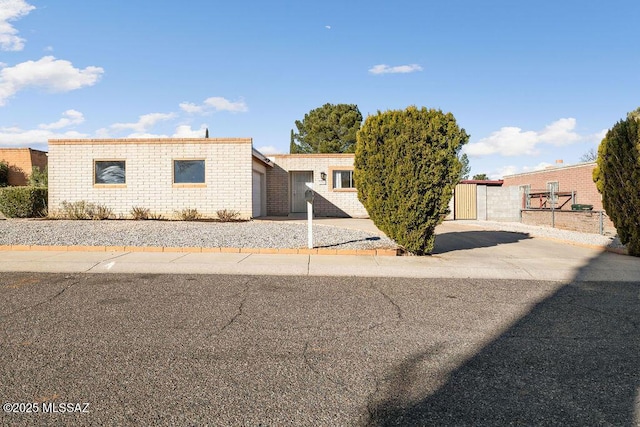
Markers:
109,172
188,171
343,179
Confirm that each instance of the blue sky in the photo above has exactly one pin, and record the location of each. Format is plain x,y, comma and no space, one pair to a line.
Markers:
531,82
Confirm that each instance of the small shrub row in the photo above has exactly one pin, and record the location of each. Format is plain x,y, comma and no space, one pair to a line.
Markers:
140,213
188,214
83,210
23,202
225,215
87,210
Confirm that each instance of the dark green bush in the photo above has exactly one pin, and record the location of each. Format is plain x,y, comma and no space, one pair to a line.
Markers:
617,177
4,174
23,202
39,177
406,167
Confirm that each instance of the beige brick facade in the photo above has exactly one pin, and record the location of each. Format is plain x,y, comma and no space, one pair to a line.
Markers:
236,177
149,174
329,201
21,162
576,178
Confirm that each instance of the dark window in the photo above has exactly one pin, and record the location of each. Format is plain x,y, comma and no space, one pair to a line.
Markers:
188,171
110,172
343,179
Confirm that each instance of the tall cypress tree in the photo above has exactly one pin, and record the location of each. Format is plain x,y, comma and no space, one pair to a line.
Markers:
617,177
406,167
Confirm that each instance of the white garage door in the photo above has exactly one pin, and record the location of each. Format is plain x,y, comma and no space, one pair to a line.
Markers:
257,194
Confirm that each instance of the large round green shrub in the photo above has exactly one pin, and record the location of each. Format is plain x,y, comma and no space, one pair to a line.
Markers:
406,167
617,177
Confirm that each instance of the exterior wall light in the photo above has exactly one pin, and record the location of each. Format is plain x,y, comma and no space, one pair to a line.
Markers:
323,176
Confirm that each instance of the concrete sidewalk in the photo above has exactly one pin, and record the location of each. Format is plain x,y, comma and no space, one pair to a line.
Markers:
466,253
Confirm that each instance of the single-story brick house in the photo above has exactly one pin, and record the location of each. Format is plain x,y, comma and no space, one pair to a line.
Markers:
208,174
574,183
332,177
21,162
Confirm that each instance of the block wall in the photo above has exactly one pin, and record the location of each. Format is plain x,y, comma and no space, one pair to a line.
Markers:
581,221
21,162
149,179
503,203
576,178
328,202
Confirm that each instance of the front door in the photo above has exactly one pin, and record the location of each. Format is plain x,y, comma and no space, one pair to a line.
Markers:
298,187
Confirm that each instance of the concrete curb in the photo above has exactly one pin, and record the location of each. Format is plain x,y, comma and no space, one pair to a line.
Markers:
288,251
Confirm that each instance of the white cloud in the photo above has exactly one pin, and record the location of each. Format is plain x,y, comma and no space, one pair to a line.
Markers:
328,27
508,141
146,135
215,104
191,108
144,122
11,10
560,132
53,75
16,137
511,170
513,141
398,69
185,131
103,133
269,149
71,117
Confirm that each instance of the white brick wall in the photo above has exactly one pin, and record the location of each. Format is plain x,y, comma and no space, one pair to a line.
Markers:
149,163
327,202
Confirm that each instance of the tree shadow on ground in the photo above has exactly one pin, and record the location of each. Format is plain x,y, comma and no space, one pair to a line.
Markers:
574,359
461,240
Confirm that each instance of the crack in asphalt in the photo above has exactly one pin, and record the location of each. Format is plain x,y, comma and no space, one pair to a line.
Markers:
392,302
312,368
48,300
233,319
239,310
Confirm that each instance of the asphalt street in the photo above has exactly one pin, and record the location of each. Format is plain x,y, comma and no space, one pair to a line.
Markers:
145,349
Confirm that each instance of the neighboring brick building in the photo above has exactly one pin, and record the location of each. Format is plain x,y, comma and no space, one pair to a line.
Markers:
21,162
575,178
571,180
332,177
207,174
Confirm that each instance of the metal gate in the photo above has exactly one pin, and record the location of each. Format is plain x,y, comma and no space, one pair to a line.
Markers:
465,197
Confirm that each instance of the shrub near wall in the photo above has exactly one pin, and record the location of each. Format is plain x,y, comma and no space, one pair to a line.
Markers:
23,202
4,174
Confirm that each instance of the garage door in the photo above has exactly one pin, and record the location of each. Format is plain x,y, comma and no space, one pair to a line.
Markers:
257,194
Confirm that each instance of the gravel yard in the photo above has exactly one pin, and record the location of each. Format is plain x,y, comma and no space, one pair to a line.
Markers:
251,234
